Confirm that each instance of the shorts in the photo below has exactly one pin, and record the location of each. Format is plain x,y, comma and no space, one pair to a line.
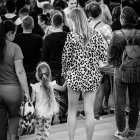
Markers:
11,97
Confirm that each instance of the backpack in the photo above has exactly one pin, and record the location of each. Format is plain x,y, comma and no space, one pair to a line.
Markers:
130,67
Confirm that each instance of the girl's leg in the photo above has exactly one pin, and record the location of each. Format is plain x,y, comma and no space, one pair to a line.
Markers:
73,98
89,98
13,128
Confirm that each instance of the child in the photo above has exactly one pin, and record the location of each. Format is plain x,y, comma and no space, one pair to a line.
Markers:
45,103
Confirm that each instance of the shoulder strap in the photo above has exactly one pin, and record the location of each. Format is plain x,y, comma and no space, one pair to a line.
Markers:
14,18
97,24
127,39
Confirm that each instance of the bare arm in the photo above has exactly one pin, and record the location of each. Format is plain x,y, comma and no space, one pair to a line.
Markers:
22,76
60,88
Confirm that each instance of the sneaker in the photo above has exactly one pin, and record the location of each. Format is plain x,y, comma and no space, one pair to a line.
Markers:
121,135
82,114
98,118
112,110
131,134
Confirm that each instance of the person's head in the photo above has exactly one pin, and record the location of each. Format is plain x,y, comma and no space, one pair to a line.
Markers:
11,6
71,3
97,1
44,20
43,72
7,32
60,3
57,20
93,10
128,17
28,23
80,23
47,8
43,75
23,12
116,12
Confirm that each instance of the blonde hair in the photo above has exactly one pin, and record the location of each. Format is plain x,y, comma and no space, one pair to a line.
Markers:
43,74
81,24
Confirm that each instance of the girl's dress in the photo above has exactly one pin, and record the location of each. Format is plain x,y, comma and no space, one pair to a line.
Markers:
42,111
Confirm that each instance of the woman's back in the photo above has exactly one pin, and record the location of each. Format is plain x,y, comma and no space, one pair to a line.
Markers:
7,68
83,59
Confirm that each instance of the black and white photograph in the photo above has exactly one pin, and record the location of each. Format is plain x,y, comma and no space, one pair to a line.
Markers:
69,69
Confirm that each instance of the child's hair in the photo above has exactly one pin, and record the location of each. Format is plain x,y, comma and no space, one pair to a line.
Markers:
5,27
43,73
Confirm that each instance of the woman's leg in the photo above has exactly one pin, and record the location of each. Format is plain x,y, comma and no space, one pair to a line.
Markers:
13,128
73,98
89,98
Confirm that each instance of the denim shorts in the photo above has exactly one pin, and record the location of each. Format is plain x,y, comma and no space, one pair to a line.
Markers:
11,99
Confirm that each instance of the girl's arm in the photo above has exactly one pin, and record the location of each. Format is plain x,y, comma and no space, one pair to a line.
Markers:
60,88
33,93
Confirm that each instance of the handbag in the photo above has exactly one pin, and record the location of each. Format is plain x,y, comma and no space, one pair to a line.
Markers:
27,120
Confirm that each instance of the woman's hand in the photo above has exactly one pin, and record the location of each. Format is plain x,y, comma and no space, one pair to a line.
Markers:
27,96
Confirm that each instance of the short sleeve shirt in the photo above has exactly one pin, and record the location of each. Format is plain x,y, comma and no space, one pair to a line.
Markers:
7,68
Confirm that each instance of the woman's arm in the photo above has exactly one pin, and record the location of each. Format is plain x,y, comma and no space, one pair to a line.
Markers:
67,54
22,76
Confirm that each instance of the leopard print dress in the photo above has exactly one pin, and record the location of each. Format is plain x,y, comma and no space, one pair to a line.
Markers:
80,62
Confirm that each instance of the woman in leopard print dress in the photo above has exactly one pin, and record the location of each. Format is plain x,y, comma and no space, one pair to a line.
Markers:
83,50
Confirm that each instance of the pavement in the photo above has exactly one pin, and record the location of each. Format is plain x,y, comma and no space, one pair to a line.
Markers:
104,130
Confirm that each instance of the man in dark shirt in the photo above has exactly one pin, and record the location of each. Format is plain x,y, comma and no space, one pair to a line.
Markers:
36,30
52,53
31,45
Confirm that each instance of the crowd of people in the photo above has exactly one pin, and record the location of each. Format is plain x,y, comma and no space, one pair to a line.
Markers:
90,48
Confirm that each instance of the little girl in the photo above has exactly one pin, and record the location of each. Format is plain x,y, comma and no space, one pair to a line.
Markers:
45,102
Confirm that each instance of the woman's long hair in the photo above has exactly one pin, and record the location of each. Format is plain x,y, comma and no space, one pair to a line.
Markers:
5,27
80,21
43,74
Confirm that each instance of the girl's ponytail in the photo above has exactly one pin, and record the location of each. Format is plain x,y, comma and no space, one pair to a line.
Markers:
46,88
49,92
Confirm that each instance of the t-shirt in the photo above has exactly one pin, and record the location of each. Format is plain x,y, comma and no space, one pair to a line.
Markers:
8,74
30,45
